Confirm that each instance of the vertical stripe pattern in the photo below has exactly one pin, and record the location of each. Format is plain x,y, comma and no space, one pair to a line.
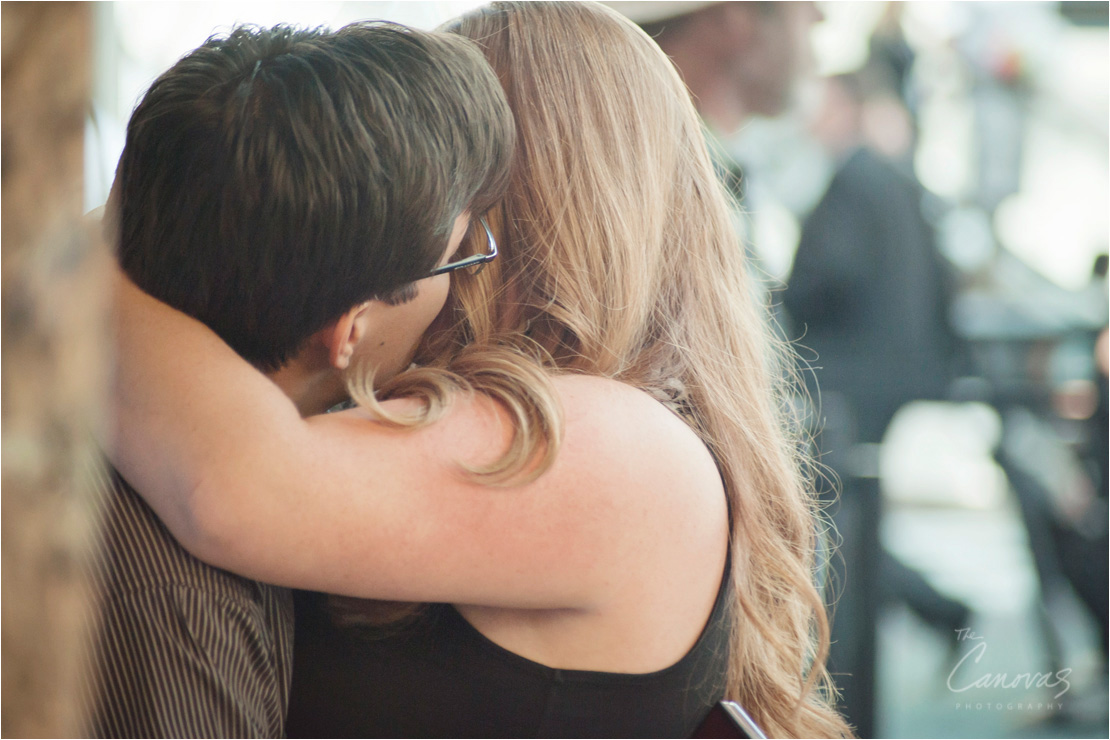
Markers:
182,649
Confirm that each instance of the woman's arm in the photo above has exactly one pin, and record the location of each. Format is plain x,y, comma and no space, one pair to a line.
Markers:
340,503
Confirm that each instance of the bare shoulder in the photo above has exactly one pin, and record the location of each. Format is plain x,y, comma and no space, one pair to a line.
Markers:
613,417
639,469
627,446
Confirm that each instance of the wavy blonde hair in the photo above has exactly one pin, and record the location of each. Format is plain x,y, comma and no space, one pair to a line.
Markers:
619,258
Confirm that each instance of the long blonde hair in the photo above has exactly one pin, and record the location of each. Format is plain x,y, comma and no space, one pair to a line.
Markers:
619,258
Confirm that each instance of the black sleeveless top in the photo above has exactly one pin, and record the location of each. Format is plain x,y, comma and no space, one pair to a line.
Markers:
442,678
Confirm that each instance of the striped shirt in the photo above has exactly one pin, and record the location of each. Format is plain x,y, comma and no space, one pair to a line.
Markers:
183,649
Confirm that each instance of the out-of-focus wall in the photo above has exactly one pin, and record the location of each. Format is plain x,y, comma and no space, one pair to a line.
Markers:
55,363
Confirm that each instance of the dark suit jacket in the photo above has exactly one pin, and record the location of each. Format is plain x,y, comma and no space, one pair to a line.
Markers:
869,293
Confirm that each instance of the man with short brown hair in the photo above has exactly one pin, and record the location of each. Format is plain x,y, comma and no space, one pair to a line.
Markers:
279,185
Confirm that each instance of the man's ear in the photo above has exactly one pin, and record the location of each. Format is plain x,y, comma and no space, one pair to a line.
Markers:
344,335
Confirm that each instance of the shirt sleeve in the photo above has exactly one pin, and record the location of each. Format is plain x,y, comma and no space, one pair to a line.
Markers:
177,661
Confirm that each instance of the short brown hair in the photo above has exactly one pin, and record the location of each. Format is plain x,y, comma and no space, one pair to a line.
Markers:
273,178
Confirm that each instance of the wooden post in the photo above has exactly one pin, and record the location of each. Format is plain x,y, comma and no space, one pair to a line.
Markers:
55,364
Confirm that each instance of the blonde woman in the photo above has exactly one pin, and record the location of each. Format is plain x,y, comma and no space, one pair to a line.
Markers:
588,483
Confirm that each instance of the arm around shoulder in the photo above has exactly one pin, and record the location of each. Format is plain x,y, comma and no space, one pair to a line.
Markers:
342,504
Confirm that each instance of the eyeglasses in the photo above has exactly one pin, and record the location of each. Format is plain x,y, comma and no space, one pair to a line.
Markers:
477,259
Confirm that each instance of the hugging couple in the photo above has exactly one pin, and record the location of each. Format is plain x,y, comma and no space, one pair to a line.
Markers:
558,497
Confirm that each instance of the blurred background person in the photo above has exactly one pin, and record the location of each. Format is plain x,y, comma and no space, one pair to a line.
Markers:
738,59
869,295
869,291
945,93
746,59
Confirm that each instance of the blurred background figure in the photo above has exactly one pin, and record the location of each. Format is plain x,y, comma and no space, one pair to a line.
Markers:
992,483
869,295
738,59
893,208
869,292
741,61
